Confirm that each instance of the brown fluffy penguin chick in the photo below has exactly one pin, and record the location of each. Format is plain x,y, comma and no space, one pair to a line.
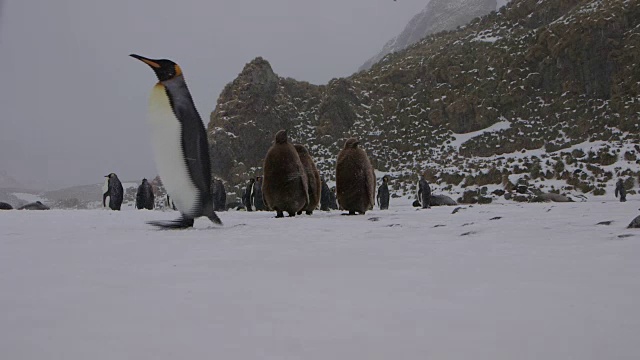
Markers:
313,179
355,179
284,187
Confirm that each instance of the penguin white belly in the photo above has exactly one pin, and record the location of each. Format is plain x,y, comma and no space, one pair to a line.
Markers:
105,188
166,139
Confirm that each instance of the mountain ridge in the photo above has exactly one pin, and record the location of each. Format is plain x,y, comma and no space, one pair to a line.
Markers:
437,16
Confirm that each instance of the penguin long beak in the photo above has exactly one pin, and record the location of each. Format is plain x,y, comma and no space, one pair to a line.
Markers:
149,62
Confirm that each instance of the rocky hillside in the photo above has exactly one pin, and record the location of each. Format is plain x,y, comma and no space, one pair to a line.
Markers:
437,16
543,93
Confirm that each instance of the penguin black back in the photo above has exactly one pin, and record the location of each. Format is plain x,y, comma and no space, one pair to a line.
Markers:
325,196
145,199
424,193
219,194
114,191
256,195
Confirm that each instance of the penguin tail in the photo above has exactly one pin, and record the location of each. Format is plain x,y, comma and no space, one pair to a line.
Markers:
181,223
214,218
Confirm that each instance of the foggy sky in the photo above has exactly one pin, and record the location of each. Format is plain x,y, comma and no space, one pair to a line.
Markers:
73,103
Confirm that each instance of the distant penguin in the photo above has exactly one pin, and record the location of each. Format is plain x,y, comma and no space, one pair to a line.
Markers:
333,202
257,197
5,206
114,192
285,185
144,197
325,196
313,179
355,179
219,194
424,193
620,190
180,145
34,206
383,193
246,195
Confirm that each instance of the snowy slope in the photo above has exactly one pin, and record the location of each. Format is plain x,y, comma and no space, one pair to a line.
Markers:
541,282
438,15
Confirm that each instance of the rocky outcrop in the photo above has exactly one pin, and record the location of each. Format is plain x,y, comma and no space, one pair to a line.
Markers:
441,200
437,16
249,112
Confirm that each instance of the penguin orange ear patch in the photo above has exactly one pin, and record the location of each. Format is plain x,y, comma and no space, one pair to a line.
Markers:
178,70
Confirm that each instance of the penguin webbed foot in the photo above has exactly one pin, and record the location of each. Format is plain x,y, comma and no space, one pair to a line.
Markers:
180,223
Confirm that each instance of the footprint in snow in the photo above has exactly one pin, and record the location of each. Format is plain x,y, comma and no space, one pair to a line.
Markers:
625,236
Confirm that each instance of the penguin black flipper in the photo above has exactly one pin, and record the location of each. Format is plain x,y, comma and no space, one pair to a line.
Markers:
180,223
196,151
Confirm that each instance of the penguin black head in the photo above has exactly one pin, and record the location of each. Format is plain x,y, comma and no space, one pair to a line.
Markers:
385,179
164,69
281,137
351,143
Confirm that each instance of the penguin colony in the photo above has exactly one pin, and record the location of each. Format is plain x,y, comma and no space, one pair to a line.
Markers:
291,181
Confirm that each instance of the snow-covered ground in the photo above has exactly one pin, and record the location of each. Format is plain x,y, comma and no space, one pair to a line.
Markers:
500,281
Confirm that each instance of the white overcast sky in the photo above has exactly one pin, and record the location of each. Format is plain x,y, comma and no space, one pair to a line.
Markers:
73,104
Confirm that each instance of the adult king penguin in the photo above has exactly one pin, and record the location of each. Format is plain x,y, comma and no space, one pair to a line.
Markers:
180,145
